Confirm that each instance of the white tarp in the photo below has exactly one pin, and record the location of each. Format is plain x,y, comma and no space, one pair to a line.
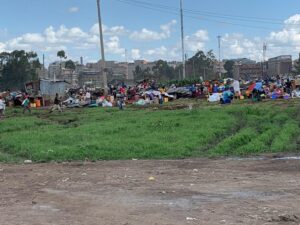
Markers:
214,97
296,93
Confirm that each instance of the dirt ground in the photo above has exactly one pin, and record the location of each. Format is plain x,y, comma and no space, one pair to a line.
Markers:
180,192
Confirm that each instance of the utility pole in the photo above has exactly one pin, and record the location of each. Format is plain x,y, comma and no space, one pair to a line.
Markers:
264,75
182,41
102,63
127,70
44,66
219,44
194,72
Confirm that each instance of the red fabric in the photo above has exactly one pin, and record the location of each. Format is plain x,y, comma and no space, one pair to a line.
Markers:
251,87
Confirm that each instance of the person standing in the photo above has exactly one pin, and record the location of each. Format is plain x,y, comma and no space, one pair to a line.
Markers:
88,97
26,104
2,107
56,105
288,87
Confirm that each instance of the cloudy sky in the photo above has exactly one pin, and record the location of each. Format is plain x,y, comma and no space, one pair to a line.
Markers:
150,29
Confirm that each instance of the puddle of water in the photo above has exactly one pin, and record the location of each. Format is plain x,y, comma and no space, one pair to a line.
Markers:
289,158
45,208
263,158
246,159
52,191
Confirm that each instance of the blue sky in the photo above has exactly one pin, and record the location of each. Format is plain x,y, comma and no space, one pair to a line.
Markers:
47,26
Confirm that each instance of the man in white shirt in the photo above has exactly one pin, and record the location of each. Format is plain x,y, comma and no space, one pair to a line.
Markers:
2,107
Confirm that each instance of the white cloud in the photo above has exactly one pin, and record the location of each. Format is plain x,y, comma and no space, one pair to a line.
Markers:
110,31
135,54
149,35
86,42
294,20
161,51
236,45
76,33
17,43
33,38
196,41
2,47
73,9
55,48
50,35
281,42
113,46
290,34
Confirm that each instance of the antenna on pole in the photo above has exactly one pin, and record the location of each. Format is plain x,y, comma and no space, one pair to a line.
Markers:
102,63
219,45
182,40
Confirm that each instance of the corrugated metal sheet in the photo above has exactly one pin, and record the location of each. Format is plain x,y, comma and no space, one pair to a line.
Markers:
50,88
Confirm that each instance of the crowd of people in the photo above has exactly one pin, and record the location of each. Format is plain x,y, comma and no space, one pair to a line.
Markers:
150,92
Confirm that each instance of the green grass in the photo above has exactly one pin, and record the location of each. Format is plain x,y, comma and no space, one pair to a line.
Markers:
151,133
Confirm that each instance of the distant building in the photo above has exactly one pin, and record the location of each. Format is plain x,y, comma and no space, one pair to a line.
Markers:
218,67
54,70
280,65
247,71
143,64
70,76
42,73
90,74
243,61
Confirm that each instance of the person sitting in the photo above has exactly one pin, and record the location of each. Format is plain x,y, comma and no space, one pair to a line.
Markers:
227,97
257,91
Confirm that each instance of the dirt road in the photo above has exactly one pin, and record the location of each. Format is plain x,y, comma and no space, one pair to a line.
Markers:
179,192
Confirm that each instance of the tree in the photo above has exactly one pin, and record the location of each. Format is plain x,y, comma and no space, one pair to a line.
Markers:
297,66
17,68
228,66
138,73
162,71
70,65
202,64
147,73
61,54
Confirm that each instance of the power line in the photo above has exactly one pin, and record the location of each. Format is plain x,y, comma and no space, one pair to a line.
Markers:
170,10
209,13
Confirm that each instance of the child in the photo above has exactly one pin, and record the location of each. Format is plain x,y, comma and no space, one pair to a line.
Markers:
26,104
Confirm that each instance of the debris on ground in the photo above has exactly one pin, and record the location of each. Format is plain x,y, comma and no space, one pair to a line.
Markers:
286,218
151,178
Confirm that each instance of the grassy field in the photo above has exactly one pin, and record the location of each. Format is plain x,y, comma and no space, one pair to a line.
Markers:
239,129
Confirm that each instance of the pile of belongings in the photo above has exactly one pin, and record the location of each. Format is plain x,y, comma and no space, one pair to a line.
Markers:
180,91
72,102
103,102
215,97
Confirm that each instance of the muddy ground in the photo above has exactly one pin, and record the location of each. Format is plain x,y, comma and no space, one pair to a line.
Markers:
181,192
